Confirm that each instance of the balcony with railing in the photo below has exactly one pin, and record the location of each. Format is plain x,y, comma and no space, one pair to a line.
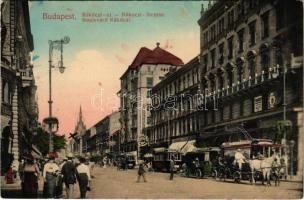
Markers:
26,76
243,86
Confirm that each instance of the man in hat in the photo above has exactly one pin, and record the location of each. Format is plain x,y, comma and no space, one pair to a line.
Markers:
172,168
141,171
50,177
69,175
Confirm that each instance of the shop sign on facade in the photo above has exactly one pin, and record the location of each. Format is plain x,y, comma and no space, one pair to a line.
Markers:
258,103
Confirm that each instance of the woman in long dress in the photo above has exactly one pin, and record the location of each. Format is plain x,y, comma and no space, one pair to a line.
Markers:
30,178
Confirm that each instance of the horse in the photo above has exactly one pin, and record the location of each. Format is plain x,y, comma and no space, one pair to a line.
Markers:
265,166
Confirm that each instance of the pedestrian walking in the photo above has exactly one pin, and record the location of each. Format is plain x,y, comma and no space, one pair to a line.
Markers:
50,177
69,176
83,177
105,162
141,172
29,182
172,168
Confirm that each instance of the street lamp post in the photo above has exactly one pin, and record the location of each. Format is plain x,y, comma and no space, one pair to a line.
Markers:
52,122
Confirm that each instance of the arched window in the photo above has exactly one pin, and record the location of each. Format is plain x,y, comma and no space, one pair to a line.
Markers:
251,63
212,82
5,92
220,78
240,69
229,69
205,85
264,52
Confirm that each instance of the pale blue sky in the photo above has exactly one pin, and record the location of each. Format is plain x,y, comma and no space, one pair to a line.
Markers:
101,52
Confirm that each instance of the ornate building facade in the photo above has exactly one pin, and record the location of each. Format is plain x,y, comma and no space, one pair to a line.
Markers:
174,114
248,49
250,75
19,110
147,69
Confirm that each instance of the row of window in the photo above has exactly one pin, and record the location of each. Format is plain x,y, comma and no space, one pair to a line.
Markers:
230,73
232,16
178,85
231,45
177,128
232,111
238,13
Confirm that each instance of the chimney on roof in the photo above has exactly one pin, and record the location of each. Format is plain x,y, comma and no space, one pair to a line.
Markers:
157,44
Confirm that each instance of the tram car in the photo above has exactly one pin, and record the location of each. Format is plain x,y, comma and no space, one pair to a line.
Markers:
162,157
131,159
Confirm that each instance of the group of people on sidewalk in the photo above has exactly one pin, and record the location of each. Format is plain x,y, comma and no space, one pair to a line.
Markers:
54,176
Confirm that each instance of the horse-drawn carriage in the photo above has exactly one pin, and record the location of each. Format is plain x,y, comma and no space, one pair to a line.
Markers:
199,162
262,157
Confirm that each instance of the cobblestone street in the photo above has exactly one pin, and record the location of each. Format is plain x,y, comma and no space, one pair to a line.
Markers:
110,183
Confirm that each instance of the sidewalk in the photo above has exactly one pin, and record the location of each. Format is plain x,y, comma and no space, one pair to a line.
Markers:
5,186
14,190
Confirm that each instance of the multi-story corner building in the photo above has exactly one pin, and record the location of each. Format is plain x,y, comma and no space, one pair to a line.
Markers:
248,49
175,118
147,69
76,141
19,110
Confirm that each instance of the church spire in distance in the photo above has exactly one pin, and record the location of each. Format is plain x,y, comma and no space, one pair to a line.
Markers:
80,114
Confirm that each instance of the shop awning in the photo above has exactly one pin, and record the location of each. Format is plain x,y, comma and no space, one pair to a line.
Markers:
205,149
131,153
182,147
159,149
148,155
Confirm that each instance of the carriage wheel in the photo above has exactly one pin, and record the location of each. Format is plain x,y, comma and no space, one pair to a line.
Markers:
214,174
187,173
198,173
237,177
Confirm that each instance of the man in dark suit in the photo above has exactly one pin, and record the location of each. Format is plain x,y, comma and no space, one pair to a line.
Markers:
141,172
69,176
172,168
